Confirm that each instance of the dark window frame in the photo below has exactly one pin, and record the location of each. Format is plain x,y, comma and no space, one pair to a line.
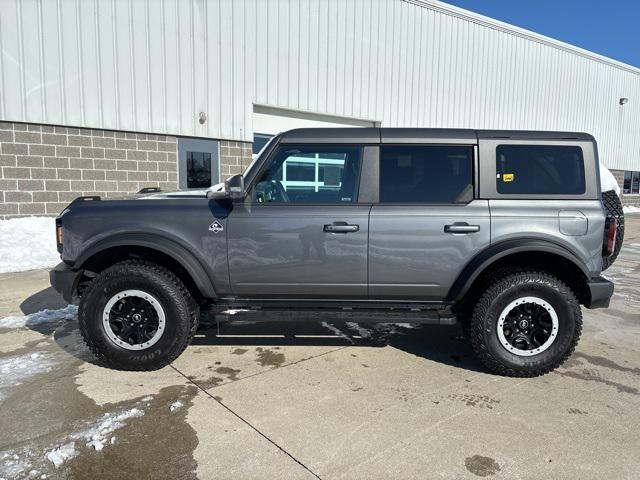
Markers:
473,173
528,194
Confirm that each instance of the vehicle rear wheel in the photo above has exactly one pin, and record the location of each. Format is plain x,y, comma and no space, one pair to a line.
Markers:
137,315
525,324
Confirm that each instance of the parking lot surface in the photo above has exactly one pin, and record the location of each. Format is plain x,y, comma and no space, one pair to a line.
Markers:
316,400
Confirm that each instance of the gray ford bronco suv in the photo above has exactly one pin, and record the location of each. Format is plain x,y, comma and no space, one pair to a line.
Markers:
504,232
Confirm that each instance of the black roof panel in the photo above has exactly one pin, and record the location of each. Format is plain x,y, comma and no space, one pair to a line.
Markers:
418,135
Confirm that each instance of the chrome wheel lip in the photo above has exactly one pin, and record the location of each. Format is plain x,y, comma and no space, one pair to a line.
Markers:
520,301
145,296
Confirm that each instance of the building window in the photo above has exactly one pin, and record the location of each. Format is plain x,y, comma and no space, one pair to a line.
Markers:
259,141
631,183
540,170
198,163
198,170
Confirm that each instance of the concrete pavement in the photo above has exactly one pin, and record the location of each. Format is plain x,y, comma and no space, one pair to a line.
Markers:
300,400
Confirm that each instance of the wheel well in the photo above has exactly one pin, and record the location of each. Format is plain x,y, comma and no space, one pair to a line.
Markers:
110,256
557,265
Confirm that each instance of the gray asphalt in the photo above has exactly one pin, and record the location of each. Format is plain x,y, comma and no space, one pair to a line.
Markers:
307,400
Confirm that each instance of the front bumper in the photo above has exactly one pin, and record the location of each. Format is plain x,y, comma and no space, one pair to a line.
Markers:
601,291
64,280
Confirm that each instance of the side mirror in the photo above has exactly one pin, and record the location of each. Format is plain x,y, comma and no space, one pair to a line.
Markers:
233,190
235,187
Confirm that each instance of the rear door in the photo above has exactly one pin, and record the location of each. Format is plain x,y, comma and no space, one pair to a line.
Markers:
302,233
426,224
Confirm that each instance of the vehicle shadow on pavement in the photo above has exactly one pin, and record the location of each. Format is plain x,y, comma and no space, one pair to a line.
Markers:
442,344
44,299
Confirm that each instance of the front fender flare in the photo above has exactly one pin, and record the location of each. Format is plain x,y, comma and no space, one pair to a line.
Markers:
484,259
167,246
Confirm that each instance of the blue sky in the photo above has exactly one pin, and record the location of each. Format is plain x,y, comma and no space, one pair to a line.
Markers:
607,27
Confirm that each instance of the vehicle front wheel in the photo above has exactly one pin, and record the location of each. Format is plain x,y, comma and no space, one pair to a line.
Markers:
137,315
525,324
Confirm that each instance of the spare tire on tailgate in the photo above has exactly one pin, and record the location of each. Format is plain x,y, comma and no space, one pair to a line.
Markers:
613,206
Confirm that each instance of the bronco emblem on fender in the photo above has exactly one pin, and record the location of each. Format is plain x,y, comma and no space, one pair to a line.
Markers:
215,227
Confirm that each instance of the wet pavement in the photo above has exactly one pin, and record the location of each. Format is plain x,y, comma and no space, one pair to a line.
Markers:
311,400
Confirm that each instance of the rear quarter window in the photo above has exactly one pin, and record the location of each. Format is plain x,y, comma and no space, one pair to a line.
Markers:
540,170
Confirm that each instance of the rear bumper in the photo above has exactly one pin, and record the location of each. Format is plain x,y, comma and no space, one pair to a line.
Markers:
64,280
601,291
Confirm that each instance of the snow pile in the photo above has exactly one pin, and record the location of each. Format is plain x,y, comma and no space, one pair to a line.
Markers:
99,433
176,405
630,209
61,454
607,180
43,316
27,243
15,370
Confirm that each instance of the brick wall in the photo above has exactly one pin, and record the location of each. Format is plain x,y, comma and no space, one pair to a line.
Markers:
43,168
626,199
235,157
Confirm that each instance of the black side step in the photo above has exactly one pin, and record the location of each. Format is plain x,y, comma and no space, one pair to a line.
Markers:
429,316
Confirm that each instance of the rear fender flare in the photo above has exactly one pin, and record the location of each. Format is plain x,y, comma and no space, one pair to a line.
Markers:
484,259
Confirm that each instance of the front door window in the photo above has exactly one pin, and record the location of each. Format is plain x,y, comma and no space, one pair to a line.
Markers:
310,174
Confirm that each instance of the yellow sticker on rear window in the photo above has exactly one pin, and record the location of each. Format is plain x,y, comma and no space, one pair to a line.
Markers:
508,177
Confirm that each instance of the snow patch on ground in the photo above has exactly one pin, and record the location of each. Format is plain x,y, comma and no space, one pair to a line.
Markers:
96,435
61,454
27,243
43,316
99,433
336,331
362,331
15,370
630,209
176,405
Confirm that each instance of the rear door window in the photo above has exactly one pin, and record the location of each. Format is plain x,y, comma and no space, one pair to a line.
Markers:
426,174
540,170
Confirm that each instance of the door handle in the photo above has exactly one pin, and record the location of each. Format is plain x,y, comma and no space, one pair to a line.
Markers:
341,227
461,227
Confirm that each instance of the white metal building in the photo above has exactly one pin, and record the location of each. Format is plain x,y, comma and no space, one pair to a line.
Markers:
228,70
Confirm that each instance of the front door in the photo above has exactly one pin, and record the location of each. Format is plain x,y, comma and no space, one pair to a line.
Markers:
301,233
426,225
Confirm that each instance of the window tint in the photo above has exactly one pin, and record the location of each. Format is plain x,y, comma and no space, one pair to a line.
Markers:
310,174
426,174
198,169
540,169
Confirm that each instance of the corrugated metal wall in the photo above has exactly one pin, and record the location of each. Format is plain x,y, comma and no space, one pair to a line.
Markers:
153,65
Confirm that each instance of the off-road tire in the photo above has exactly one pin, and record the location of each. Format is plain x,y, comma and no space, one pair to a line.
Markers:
613,206
482,328
180,309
